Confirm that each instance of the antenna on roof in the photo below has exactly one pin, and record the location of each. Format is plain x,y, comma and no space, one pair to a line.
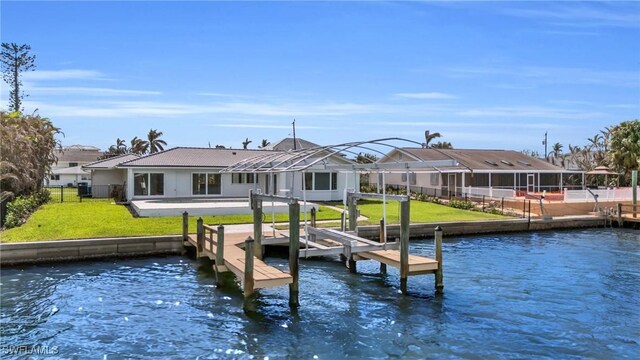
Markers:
294,134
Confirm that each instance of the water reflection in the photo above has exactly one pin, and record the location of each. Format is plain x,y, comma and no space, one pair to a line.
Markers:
551,294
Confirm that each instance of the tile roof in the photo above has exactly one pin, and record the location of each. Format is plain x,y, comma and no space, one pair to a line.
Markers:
74,170
111,162
188,157
477,159
75,155
287,144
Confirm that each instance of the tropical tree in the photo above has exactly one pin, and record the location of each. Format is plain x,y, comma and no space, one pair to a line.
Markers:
264,144
624,153
429,137
245,143
442,145
155,143
15,59
27,145
555,154
366,158
139,146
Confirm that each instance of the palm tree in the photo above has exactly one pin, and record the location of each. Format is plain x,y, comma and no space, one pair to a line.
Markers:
442,145
246,143
556,151
264,144
139,146
428,137
154,141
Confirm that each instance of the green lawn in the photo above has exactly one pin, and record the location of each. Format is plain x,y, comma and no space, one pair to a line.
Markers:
104,219
421,212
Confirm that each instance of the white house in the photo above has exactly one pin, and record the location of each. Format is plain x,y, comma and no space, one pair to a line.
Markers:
106,177
68,176
67,171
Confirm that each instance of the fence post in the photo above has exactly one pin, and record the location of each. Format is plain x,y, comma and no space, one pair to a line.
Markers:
248,304
502,206
529,222
439,272
524,207
61,193
294,252
185,226
257,225
482,203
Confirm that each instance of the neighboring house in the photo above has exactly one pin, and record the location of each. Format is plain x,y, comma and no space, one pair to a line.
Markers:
188,172
291,144
70,160
506,173
69,176
105,176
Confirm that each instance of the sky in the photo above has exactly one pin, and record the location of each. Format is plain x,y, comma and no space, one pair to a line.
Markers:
494,75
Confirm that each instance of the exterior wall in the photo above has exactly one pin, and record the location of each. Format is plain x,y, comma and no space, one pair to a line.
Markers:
66,179
108,177
178,184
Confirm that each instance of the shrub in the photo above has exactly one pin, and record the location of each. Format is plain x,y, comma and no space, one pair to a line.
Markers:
21,207
461,204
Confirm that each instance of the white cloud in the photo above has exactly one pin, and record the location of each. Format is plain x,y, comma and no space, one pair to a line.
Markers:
583,14
427,95
263,126
531,112
90,91
65,74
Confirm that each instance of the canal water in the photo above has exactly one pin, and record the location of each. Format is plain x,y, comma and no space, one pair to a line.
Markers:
567,294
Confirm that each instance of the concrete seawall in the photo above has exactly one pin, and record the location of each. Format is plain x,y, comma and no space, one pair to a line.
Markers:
485,227
70,250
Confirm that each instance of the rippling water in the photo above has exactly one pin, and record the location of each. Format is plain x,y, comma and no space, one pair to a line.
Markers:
550,294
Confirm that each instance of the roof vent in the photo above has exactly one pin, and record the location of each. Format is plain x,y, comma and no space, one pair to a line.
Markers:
491,162
233,153
506,162
524,163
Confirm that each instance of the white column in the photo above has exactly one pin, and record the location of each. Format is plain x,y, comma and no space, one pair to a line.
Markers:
129,184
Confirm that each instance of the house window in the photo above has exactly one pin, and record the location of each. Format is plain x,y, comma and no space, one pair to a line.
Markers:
308,181
320,181
236,178
434,179
55,177
251,178
72,164
84,177
206,184
145,184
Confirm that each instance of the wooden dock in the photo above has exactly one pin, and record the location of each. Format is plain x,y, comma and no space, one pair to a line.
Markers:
264,275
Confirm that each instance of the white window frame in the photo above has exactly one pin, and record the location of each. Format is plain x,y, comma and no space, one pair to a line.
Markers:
206,182
148,176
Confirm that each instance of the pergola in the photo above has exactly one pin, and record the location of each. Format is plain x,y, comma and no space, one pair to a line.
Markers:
317,158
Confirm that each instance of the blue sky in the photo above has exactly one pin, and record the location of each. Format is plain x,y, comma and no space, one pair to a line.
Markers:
485,75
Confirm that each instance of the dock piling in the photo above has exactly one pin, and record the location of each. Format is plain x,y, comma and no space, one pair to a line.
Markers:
383,266
185,226
257,225
248,275
404,245
219,255
353,212
200,236
294,252
439,273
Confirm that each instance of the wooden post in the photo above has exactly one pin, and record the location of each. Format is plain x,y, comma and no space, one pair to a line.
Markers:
353,209
257,226
524,208
404,245
248,304
439,273
185,226
294,252
343,220
200,236
620,224
383,267
482,203
634,192
502,206
219,255
313,217
529,221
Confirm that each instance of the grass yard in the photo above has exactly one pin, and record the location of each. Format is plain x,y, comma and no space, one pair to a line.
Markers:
421,212
104,219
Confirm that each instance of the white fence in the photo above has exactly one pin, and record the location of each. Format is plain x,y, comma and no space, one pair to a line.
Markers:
620,194
489,192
